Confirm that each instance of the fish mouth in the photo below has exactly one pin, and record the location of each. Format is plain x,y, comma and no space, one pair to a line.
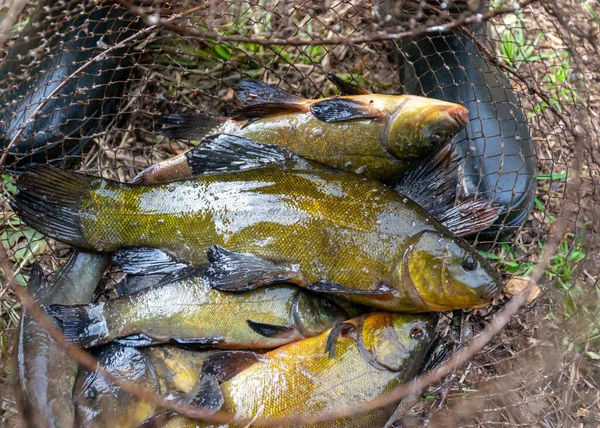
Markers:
460,115
494,290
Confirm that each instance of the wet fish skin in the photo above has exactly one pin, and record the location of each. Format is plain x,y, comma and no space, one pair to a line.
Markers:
320,228
373,354
46,373
185,310
166,370
377,136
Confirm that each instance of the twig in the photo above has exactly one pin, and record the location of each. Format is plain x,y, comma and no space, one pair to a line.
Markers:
264,41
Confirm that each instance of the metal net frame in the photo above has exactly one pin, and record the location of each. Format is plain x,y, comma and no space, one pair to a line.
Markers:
187,57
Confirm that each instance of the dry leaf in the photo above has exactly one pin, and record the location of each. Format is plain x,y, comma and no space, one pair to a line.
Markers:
518,284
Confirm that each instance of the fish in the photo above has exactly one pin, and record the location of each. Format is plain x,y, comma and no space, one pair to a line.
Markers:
499,156
166,370
181,309
377,136
328,230
431,183
45,372
341,369
71,118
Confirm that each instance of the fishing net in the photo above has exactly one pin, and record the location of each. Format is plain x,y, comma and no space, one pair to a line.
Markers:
114,68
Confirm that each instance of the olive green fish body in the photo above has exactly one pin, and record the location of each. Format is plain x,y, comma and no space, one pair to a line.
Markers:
328,226
189,310
355,146
370,134
165,370
374,354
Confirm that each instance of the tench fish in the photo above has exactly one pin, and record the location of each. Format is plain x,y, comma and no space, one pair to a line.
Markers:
166,370
377,136
181,309
328,230
342,369
46,373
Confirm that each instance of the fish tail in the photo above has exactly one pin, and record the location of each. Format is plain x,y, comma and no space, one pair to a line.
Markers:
188,126
83,325
48,201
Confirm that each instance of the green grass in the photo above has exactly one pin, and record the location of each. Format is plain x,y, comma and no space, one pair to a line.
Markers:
572,306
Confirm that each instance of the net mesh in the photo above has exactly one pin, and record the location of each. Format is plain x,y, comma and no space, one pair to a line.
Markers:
112,69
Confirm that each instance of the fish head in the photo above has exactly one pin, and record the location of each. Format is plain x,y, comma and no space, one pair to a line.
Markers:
419,125
313,314
443,273
394,340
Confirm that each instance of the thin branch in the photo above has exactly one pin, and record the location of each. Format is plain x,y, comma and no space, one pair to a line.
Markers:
377,37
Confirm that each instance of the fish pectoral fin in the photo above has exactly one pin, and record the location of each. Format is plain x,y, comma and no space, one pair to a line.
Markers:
229,271
342,109
346,88
147,261
253,91
187,126
137,340
219,153
196,344
271,330
226,364
331,342
335,288
207,393
432,182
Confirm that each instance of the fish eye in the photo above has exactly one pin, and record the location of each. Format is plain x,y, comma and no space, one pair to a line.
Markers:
435,138
469,263
416,333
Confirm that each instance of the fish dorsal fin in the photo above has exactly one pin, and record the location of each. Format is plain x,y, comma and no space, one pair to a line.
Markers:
147,261
221,153
226,364
253,91
346,88
343,109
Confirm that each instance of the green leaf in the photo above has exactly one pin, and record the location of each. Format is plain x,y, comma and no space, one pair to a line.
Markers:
593,355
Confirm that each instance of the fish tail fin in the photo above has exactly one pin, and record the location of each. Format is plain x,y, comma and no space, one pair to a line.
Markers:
83,325
188,126
432,182
48,201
